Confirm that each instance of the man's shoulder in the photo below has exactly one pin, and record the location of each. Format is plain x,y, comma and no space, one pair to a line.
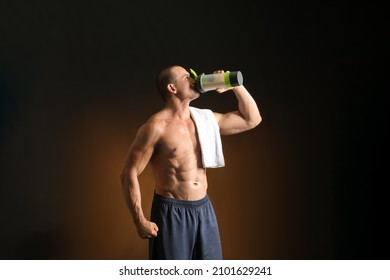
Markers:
157,118
155,122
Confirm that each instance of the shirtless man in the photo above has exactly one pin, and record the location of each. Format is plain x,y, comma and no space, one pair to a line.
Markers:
183,224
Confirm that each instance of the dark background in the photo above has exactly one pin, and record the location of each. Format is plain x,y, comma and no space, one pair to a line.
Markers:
77,79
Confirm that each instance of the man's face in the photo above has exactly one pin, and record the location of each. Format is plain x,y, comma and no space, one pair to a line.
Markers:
185,84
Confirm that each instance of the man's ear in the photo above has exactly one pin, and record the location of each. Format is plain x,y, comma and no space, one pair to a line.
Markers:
171,88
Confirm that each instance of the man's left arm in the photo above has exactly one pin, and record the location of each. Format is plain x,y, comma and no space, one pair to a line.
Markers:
247,117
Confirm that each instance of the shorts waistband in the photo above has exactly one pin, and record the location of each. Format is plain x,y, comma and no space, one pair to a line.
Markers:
179,202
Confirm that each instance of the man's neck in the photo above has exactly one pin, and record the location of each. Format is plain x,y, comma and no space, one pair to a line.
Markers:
179,109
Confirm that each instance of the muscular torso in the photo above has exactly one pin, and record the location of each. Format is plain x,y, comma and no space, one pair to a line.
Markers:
177,163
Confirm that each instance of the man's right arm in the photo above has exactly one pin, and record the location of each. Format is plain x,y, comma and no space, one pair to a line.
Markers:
139,154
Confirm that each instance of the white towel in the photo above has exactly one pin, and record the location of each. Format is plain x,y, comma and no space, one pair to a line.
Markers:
209,137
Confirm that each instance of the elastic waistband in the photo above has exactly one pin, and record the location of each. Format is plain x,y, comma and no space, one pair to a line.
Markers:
179,202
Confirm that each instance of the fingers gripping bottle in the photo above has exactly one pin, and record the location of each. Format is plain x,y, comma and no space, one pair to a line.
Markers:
207,82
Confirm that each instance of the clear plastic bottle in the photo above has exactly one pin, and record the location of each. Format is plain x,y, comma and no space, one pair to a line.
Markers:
207,82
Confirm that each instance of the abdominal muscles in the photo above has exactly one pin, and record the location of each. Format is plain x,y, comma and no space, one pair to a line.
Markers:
179,174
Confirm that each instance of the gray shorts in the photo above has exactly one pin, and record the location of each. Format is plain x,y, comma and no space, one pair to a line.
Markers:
188,230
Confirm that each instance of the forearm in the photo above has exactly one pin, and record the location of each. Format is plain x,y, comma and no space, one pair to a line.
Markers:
132,194
247,106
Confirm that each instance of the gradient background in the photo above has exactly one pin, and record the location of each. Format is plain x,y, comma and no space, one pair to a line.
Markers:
77,79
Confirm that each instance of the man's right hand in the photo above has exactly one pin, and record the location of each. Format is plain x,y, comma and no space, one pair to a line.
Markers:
147,229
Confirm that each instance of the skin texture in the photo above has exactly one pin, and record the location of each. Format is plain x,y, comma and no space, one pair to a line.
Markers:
168,142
